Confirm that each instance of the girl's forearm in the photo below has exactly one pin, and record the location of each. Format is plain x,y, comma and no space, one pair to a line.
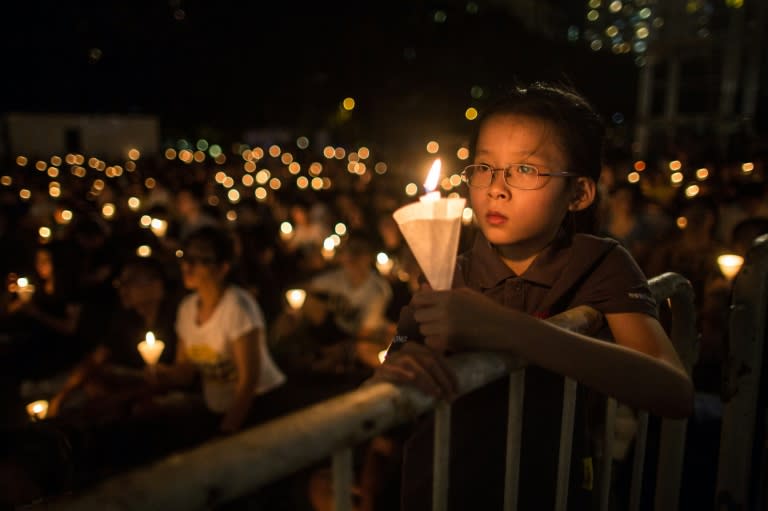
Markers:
634,378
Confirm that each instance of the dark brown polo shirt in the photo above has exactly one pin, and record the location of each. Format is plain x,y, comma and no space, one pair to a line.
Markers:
583,270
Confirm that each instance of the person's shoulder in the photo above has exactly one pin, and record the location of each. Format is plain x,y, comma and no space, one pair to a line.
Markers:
241,298
591,250
592,241
187,300
238,294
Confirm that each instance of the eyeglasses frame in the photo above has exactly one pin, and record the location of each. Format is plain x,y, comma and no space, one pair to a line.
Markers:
493,170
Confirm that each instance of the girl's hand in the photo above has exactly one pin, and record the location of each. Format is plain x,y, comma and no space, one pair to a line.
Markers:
456,319
421,367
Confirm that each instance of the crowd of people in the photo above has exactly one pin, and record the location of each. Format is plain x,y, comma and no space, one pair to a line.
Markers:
96,258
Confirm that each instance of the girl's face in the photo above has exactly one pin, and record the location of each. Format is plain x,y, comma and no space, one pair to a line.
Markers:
199,267
520,222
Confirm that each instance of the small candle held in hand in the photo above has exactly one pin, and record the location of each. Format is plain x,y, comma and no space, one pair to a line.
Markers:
730,265
295,298
430,185
37,409
24,289
151,349
432,227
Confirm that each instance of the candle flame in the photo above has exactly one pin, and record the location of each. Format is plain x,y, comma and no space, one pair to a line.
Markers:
433,177
150,338
22,282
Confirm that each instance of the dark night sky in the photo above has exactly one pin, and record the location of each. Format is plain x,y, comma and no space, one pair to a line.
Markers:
231,66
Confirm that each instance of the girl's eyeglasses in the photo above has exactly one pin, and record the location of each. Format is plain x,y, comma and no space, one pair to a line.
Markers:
517,175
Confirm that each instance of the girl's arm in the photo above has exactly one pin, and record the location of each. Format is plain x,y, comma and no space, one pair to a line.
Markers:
78,377
248,363
641,370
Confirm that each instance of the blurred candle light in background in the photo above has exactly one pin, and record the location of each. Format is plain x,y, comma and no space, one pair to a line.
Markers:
158,226
730,265
151,349
329,248
24,289
286,231
37,410
295,298
384,263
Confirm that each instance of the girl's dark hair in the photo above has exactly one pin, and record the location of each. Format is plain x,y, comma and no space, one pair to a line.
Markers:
217,239
579,129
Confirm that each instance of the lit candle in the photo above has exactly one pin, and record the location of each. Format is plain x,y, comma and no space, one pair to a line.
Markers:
286,231
296,298
24,289
37,409
384,263
158,227
430,186
382,356
433,226
329,248
151,349
730,265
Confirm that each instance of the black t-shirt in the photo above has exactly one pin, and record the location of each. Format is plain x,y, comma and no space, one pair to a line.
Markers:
584,270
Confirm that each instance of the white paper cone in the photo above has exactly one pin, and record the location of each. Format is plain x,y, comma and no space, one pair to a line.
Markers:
432,231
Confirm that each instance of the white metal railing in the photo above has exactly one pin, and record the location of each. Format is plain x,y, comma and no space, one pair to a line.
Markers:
736,484
225,469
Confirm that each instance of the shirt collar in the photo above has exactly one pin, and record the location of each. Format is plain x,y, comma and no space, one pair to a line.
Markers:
488,269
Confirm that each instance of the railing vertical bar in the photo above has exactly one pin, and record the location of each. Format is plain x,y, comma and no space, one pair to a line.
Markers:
741,389
684,337
670,463
607,461
514,436
638,463
566,443
441,460
342,479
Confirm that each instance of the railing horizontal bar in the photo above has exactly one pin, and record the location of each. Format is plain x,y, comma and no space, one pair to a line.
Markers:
214,472
219,471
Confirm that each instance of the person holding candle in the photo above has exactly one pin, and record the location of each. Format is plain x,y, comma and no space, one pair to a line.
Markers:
532,185
221,338
46,320
342,324
110,373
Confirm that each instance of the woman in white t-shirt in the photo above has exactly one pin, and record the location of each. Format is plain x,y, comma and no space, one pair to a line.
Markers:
221,332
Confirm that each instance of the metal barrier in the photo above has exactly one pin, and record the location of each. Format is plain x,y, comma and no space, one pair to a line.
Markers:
222,470
736,485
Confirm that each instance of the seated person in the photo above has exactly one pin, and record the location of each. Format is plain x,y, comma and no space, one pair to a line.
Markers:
40,322
115,367
222,339
343,320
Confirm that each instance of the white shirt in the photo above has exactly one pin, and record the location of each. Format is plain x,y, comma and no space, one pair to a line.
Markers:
362,306
210,346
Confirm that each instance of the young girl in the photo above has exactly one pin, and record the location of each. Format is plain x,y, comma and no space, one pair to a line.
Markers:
221,334
532,184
